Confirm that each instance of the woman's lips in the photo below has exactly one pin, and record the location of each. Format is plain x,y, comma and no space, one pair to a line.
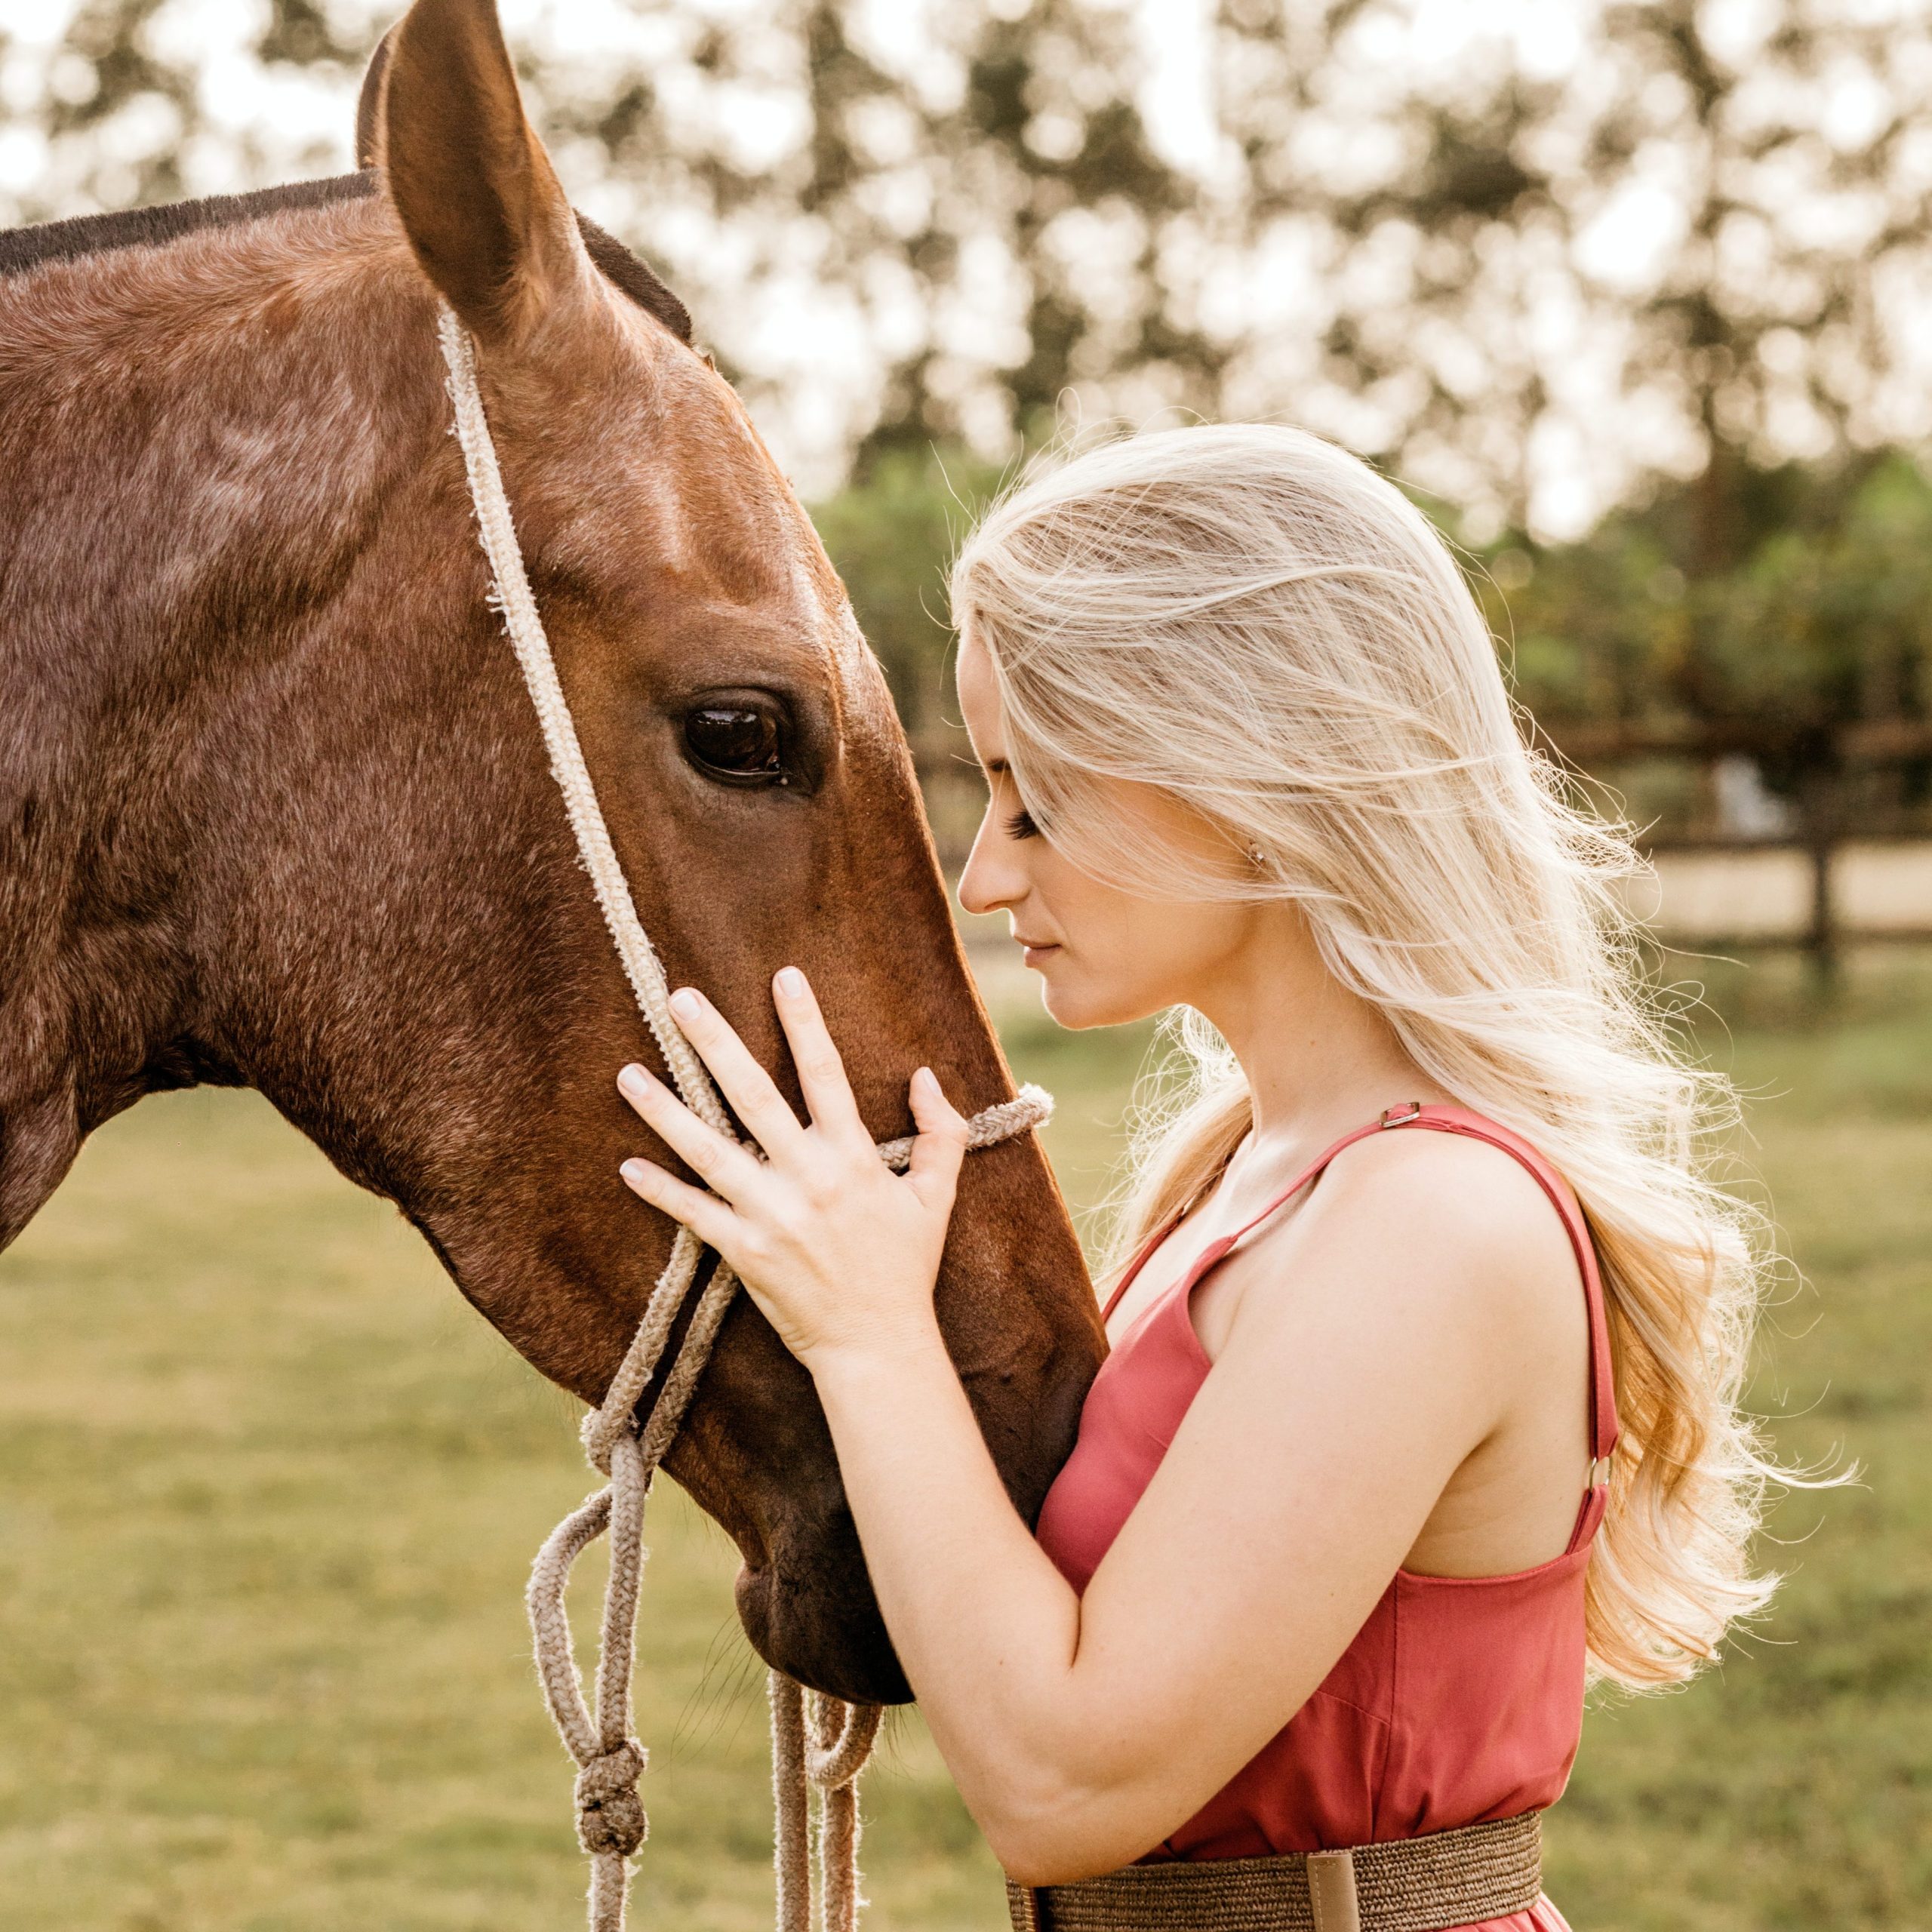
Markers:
1034,951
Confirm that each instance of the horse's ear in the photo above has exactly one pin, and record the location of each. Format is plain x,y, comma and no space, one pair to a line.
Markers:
478,198
369,105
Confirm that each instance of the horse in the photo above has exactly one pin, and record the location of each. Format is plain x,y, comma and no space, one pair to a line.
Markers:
274,811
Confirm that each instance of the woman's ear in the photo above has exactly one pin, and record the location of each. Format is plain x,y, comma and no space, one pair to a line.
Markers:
477,195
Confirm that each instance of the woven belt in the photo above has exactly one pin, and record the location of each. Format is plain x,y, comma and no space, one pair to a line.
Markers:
1420,1884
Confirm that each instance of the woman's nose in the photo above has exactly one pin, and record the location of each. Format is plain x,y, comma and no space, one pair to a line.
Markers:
990,880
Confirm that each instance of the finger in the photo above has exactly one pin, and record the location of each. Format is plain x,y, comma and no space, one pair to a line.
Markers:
821,1070
707,1216
723,1165
753,1094
933,1173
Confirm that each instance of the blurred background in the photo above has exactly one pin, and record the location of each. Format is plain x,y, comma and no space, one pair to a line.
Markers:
1636,298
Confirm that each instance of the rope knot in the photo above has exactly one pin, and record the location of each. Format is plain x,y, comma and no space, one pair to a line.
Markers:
610,1814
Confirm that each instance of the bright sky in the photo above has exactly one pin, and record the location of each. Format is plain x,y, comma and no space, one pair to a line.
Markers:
297,112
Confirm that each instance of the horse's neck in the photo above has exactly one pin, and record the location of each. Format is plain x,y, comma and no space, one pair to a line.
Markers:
210,432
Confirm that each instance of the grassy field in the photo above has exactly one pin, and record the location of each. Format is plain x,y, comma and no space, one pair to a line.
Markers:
268,1494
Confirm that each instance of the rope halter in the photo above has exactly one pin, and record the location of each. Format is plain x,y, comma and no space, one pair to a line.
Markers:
817,1742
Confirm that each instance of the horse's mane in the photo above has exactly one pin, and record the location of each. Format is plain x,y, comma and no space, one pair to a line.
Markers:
24,248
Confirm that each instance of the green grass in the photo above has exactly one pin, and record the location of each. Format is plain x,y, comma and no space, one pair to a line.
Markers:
269,1491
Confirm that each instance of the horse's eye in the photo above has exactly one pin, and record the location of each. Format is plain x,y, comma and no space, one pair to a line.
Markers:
740,741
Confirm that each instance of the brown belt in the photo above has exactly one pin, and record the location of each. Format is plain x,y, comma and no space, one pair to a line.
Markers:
1421,1885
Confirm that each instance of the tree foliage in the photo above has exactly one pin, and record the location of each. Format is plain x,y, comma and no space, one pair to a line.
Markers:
1625,244
1810,653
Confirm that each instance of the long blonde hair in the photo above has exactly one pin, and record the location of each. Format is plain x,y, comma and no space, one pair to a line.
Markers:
1252,620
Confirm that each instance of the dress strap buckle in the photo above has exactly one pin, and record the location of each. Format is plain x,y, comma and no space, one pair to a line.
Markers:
1402,1116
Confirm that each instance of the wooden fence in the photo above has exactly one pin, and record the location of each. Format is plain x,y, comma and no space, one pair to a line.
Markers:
1736,895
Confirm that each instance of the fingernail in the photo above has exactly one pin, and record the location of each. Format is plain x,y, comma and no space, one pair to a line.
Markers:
685,1003
635,1172
791,980
927,1078
633,1083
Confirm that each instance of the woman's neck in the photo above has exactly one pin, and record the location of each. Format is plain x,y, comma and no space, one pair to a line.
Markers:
1319,1059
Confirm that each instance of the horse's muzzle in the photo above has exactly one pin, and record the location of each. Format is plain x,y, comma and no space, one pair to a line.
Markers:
828,1632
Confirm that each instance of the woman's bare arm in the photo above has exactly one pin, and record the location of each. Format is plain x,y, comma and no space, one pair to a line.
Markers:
1352,1384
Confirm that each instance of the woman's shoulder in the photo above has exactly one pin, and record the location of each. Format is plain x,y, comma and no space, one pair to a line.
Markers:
1427,1275
1435,1216
1477,1197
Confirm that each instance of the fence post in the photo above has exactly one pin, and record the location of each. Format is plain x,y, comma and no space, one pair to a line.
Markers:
1821,938
1817,806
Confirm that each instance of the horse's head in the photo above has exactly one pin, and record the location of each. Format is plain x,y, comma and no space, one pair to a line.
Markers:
353,869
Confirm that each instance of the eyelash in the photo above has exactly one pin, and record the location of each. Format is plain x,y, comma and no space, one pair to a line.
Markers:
1020,825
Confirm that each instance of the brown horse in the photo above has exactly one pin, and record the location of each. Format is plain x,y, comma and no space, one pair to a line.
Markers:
274,811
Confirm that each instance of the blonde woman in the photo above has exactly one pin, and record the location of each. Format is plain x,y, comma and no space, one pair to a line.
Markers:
1350,1523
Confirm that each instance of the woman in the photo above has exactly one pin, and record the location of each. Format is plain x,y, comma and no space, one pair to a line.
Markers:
1343,1536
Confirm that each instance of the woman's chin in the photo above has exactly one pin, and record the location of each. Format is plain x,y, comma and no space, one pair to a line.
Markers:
1054,999
1076,1008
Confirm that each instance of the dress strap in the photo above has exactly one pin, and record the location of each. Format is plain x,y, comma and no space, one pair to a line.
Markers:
1216,1249
1139,1261
1403,1116
1602,1392
1458,1120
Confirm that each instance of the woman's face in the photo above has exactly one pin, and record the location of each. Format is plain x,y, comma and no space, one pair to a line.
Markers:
1105,956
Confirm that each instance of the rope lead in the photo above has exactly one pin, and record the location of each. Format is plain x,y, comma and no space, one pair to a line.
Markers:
818,1742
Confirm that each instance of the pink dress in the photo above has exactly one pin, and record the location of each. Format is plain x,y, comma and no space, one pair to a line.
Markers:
1460,1700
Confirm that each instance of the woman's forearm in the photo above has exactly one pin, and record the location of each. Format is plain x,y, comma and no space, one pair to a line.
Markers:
988,1630
840,1256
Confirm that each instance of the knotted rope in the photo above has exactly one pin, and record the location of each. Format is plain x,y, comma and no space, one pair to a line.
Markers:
817,1742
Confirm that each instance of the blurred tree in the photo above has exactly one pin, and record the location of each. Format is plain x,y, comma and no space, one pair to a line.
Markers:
1810,653
114,103
979,212
1046,140
1592,248
892,533
892,536
1816,644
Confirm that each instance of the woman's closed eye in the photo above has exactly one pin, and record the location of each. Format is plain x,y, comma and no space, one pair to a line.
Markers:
1021,825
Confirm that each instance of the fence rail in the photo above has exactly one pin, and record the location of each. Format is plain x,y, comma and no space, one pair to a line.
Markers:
1747,895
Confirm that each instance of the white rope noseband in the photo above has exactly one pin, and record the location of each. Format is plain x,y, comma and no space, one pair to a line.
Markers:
817,1741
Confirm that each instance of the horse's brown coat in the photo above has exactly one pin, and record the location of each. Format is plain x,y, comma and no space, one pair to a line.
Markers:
274,811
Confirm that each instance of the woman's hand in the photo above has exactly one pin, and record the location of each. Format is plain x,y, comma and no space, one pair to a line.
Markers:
840,1252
